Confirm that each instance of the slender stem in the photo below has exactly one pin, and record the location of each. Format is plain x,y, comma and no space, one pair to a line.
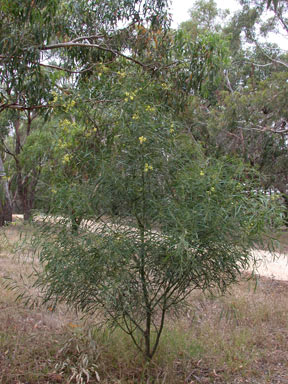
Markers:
131,334
147,333
160,329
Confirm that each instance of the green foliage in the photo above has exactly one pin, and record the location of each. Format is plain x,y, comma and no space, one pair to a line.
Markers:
155,212
182,222
204,17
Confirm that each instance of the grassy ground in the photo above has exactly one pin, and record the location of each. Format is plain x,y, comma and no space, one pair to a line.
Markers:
239,338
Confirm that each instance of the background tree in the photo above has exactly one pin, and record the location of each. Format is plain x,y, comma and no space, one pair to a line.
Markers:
205,17
37,38
248,117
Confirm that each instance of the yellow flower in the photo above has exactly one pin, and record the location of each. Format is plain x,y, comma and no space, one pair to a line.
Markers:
61,144
65,123
121,74
53,190
69,105
55,97
238,186
66,158
135,116
202,173
165,86
129,96
148,167
212,189
142,139
149,108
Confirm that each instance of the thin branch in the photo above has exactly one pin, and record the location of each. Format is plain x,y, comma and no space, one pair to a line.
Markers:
87,37
264,129
276,61
130,333
282,21
33,107
252,62
53,66
228,81
23,107
159,332
65,69
7,150
71,44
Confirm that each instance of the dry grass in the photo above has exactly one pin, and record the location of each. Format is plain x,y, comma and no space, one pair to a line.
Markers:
239,338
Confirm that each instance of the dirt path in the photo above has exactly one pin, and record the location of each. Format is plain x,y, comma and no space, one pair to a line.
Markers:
275,267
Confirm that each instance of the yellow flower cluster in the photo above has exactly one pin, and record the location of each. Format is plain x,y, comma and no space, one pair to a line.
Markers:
171,128
135,116
142,139
165,86
65,124
248,226
66,158
129,96
148,167
212,189
149,108
55,97
62,144
121,74
202,173
69,105
238,186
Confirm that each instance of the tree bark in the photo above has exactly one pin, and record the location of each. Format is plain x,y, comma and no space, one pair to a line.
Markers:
26,185
5,199
285,198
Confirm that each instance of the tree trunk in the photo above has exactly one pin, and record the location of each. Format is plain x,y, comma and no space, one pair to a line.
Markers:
285,197
5,199
27,206
26,185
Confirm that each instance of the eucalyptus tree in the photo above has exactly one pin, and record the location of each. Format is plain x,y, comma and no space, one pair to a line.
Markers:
205,17
5,198
40,38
